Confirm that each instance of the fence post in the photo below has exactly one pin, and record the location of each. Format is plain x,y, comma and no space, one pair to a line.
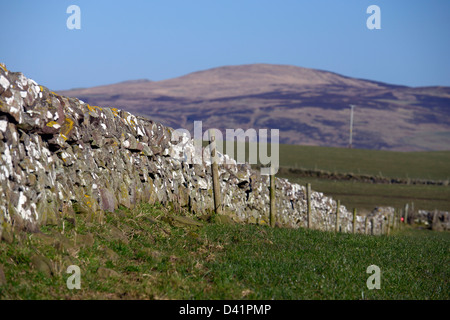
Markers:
308,197
272,199
406,213
394,219
338,207
366,225
435,217
354,220
388,224
215,173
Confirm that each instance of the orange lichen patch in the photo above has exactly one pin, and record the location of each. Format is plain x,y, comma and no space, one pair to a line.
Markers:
92,108
54,93
67,127
3,67
115,112
42,89
88,203
63,136
52,124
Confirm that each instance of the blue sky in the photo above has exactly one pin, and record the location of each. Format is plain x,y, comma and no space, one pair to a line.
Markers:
161,39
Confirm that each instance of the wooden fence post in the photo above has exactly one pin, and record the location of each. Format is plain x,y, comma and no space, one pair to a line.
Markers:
388,224
435,218
338,208
366,225
308,200
395,218
215,173
272,199
406,213
354,220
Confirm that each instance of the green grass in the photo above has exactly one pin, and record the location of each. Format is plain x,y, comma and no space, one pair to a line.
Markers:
433,165
360,195
154,258
428,165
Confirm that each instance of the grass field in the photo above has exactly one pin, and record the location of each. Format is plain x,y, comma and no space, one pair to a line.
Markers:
429,165
433,165
360,195
144,254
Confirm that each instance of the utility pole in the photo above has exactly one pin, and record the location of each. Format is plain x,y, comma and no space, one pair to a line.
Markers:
351,125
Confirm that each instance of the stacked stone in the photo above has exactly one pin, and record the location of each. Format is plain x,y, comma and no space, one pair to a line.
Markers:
61,156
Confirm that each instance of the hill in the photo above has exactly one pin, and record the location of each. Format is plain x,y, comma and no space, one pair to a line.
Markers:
310,107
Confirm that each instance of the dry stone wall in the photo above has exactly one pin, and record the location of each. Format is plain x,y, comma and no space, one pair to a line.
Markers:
61,157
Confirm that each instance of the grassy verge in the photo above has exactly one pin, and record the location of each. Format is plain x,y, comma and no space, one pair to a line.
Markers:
146,254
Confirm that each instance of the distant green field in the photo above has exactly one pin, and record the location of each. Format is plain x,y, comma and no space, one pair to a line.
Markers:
354,194
433,165
429,165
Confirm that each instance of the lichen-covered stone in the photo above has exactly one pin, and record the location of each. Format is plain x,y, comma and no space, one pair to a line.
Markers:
105,273
42,264
84,240
7,234
2,276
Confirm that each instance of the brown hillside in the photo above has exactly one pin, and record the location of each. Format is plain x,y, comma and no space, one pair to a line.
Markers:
308,106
